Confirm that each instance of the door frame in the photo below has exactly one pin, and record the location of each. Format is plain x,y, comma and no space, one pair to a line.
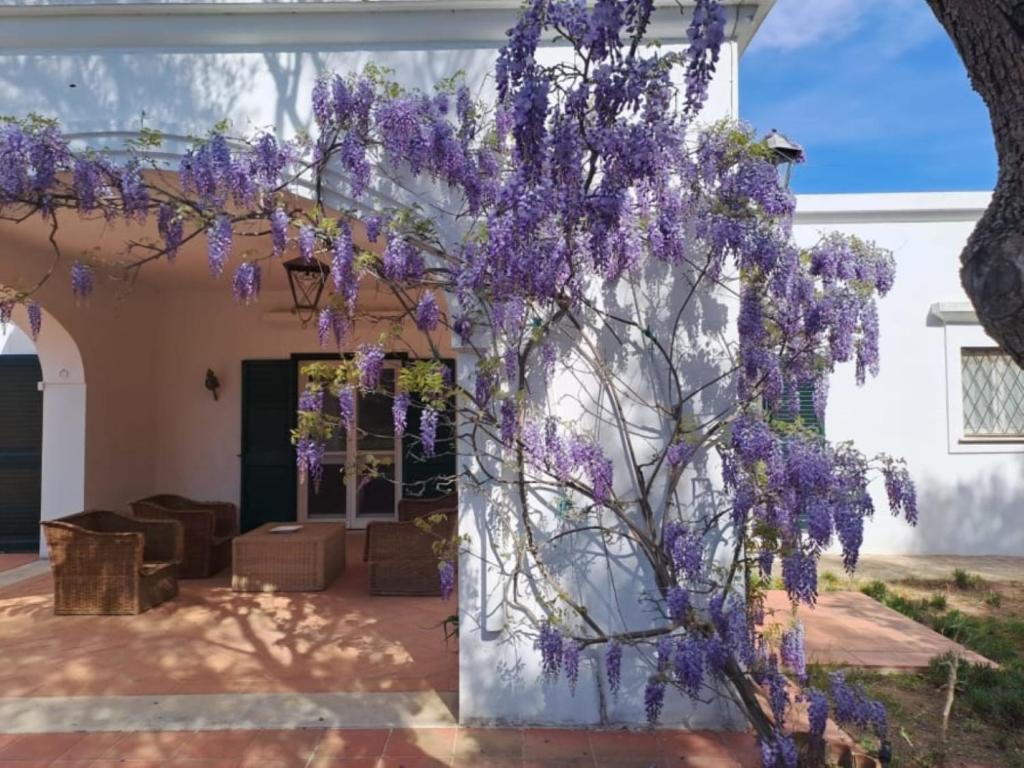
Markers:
351,518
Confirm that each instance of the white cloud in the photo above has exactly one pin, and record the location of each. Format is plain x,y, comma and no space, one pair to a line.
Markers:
795,24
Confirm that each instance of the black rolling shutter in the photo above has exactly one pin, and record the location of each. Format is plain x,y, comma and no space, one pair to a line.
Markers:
268,458
21,440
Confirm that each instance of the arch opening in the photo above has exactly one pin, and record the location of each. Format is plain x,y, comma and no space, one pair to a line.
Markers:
46,457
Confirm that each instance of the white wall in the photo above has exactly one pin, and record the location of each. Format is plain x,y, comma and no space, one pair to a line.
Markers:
14,341
970,502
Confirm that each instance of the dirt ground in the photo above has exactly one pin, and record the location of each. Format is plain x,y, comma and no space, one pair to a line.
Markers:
916,701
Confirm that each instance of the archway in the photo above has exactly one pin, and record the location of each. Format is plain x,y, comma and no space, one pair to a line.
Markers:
62,448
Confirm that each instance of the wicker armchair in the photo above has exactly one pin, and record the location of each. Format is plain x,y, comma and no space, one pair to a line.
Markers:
401,558
209,528
410,509
106,563
413,508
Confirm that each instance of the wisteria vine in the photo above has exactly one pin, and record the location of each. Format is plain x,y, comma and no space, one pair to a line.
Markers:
575,182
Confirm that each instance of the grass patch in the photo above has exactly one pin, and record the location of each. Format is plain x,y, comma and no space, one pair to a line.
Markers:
965,580
987,723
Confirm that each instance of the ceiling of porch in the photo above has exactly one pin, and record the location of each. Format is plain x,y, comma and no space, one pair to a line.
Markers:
105,244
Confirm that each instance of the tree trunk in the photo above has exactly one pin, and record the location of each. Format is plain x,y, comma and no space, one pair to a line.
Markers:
989,35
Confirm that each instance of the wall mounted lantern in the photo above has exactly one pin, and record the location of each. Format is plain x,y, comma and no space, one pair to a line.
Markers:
785,153
306,280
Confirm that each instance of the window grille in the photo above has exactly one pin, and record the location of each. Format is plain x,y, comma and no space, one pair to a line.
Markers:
993,394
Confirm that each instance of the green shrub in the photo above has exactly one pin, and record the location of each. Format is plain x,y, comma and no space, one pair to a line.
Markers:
995,695
965,580
875,590
993,599
937,602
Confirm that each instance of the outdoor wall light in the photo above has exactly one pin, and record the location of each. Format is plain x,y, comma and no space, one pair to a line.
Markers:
785,153
306,280
212,383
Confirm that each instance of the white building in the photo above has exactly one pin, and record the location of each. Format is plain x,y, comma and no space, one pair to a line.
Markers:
125,412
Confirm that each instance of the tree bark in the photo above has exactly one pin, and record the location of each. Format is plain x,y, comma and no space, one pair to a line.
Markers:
989,35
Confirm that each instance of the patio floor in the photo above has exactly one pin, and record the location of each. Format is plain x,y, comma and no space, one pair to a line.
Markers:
420,748
11,560
211,640
849,628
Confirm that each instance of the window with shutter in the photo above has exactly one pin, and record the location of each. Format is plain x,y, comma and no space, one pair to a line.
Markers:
805,414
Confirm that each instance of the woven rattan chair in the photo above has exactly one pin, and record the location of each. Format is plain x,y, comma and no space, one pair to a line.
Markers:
106,563
209,528
401,557
410,509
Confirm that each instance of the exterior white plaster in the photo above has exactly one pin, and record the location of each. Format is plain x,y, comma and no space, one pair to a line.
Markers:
971,496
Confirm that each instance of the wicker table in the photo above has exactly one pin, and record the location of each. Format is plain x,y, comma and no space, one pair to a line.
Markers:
307,560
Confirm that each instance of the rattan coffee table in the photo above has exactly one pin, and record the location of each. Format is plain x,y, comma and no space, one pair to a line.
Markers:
306,560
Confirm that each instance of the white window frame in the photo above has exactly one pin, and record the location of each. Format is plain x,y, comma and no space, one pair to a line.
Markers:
352,520
963,331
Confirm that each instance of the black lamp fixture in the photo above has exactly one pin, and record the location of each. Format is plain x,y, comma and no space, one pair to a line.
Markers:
307,279
785,153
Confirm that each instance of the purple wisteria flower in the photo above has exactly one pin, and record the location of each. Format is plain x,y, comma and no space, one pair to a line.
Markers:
279,231
307,242
899,486
613,667
851,705
171,229
219,239
509,421
571,663
309,455
427,313
791,650
83,280
654,699
428,431
35,318
400,412
680,453
373,228
447,576
678,602
688,664
246,282
550,643
370,362
347,407
817,713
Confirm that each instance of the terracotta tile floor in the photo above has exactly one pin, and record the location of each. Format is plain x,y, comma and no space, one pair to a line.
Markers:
457,747
9,560
850,628
213,640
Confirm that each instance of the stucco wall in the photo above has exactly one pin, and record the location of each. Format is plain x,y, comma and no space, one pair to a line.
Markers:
971,502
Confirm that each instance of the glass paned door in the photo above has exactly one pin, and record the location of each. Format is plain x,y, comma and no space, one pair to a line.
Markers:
372,492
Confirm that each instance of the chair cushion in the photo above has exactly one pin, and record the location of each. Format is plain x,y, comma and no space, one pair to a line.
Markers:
154,567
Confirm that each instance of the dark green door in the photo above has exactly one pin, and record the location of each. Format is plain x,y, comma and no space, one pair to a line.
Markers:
268,459
21,439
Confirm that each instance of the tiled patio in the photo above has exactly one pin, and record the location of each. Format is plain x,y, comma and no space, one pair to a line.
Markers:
420,748
212,640
849,628
12,560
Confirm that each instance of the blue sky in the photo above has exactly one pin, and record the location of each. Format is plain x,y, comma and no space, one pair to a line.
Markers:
874,91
